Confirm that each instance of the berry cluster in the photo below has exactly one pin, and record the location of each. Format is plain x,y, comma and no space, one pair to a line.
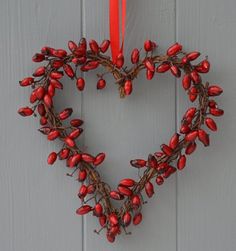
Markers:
83,57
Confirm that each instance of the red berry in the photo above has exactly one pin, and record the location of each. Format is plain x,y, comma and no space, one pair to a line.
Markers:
39,71
164,67
203,137
80,83
110,237
211,124
94,46
126,219
124,190
184,129
48,101
168,172
175,71
195,77
152,161
135,56
113,219
190,112
82,175
102,220
65,113
91,189
136,201
64,153
47,50
191,136
84,210
174,49
39,92
38,57
104,46
60,53
83,43
205,65
216,112
76,122
87,158
119,60
68,70
72,46
26,81
181,162
57,64
149,64
159,180
43,121
101,84
174,141
138,163
52,158
53,135
149,189
148,45
82,192
166,149
214,90
41,109
193,55
192,97
128,87
69,142
162,167
190,148
149,74
127,182
25,111
98,210
90,65
137,219
116,195
56,74
186,81
56,84
99,159
184,60
75,133
75,159
51,90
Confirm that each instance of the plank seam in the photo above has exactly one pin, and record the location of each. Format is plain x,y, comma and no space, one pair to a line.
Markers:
176,128
82,30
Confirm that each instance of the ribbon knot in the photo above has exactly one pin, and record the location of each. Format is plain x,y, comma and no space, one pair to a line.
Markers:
115,27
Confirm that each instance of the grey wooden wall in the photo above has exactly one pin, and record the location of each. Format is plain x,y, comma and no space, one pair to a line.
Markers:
195,209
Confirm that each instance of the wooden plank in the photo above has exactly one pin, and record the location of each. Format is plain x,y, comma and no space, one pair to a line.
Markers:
38,202
206,189
134,126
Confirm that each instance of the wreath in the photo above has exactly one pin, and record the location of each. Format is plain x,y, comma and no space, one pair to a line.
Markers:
85,57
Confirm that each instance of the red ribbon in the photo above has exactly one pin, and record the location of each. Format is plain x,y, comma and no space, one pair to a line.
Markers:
115,27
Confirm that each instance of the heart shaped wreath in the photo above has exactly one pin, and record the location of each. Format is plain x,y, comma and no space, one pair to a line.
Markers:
158,166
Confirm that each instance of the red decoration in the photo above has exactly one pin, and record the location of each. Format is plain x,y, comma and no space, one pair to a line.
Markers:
115,27
46,81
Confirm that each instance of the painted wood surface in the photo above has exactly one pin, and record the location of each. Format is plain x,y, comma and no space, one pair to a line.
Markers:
206,193
194,210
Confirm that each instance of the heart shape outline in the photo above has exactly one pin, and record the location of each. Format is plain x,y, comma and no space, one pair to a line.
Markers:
158,165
